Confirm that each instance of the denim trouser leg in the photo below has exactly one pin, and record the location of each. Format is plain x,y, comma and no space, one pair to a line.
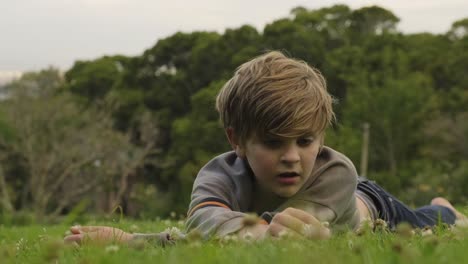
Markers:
393,211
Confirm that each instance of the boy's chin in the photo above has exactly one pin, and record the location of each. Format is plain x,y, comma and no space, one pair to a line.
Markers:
286,193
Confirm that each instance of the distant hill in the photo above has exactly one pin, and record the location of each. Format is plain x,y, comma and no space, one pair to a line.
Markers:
8,76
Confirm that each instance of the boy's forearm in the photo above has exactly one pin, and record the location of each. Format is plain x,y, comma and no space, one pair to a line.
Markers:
215,222
163,238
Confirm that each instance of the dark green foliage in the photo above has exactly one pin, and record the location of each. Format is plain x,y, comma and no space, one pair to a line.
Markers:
93,79
199,138
372,20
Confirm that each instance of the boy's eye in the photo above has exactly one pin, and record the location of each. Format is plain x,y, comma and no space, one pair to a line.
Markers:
304,142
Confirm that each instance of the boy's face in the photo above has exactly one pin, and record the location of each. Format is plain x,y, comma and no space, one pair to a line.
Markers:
281,165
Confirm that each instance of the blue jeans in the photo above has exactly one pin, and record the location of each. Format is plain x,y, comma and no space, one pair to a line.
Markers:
393,211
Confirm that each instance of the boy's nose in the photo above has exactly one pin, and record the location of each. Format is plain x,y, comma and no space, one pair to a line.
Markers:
290,155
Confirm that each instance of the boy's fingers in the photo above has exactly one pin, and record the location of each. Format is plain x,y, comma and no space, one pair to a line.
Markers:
311,226
76,229
302,215
316,232
274,229
74,238
85,234
79,229
86,237
280,231
288,221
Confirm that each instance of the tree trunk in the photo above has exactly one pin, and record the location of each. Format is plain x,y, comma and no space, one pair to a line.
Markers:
365,150
391,155
5,198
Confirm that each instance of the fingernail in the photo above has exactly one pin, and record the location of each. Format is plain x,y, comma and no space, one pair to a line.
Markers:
77,228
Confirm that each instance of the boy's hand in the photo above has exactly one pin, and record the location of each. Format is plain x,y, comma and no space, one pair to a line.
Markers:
294,221
255,232
97,234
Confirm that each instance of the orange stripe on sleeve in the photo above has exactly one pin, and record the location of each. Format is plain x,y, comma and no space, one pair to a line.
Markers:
212,203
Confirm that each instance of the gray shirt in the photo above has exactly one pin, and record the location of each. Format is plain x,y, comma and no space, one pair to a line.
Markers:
223,190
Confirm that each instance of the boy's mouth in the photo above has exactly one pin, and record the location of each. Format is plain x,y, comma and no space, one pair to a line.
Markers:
288,174
288,178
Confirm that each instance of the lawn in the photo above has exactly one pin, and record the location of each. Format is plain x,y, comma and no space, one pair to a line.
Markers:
43,244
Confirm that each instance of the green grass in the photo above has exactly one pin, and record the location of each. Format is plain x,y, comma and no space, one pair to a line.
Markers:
43,244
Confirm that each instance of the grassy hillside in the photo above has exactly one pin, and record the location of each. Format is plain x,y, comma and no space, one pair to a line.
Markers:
43,244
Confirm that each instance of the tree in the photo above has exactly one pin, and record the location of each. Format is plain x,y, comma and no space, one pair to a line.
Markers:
36,84
67,151
372,20
94,79
331,22
423,51
295,40
6,203
197,138
459,29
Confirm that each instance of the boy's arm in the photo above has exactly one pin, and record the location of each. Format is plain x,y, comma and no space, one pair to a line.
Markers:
220,195
97,234
215,221
108,234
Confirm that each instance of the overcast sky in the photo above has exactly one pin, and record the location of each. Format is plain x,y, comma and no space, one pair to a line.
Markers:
37,33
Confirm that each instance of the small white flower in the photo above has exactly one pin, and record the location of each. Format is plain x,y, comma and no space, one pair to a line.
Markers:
350,244
195,244
248,237
283,234
234,238
112,248
20,243
134,228
426,232
461,222
309,231
174,233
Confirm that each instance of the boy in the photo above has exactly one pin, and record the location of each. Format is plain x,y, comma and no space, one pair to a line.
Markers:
275,111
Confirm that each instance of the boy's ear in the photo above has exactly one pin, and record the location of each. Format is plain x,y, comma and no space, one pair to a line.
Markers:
235,143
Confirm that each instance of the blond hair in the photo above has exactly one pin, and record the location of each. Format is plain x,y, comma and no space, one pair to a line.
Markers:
275,95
